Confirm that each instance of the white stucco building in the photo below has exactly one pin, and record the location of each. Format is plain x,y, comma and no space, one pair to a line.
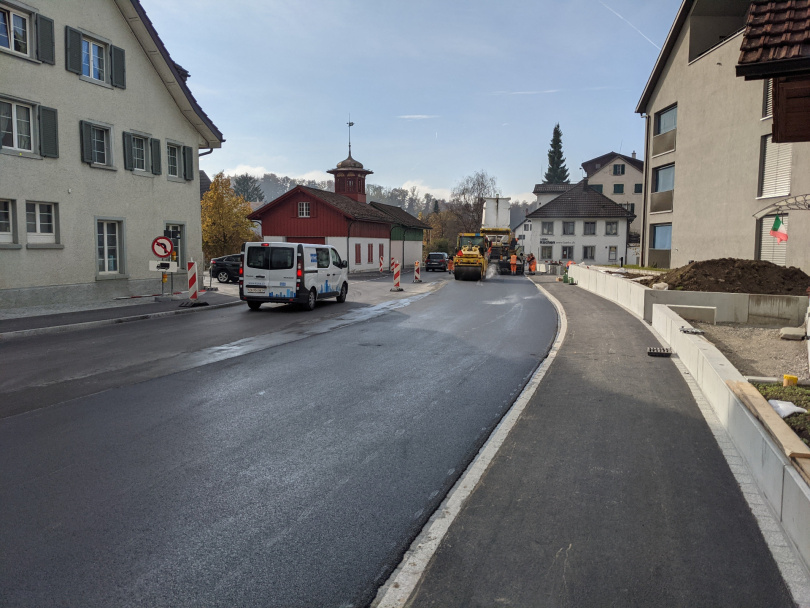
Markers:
100,138
580,224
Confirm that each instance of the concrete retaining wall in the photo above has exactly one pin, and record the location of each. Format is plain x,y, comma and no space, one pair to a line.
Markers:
742,308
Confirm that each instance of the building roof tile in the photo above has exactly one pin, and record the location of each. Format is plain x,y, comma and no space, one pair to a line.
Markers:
777,34
400,216
595,164
581,201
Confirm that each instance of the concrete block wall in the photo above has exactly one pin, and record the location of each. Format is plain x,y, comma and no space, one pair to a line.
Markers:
731,307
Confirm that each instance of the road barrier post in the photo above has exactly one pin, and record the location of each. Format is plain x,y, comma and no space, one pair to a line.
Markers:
417,278
396,286
192,280
381,264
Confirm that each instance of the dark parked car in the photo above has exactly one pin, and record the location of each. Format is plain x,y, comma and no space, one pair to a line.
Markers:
226,268
436,261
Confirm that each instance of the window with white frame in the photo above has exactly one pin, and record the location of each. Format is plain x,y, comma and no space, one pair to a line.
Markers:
15,126
172,156
15,30
100,138
138,153
568,228
546,252
775,168
40,222
108,248
176,233
567,252
611,228
612,253
303,209
6,222
547,228
527,226
93,54
588,252
618,169
589,228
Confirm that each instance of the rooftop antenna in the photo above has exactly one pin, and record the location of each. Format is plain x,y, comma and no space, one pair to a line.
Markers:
351,124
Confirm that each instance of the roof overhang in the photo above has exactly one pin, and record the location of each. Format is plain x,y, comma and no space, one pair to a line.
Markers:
147,36
774,69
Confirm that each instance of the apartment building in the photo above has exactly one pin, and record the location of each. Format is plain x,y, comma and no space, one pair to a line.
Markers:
621,179
714,176
99,143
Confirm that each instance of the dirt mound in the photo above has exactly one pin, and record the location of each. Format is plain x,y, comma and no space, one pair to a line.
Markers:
730,275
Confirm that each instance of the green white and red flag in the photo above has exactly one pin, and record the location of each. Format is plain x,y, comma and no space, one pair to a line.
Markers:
778,231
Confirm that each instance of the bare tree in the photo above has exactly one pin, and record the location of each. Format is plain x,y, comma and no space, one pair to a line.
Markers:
467,199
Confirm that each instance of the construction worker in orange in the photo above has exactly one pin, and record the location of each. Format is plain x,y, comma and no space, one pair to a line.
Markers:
513,263
532,263
450,264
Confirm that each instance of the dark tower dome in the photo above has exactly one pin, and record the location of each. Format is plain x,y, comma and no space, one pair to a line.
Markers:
350,178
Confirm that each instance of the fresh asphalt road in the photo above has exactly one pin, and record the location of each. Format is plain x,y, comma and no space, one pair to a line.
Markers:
293,475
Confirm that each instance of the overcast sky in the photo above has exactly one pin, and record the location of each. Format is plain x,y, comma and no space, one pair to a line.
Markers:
437,89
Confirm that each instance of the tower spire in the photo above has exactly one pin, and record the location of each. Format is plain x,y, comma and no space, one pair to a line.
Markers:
351,124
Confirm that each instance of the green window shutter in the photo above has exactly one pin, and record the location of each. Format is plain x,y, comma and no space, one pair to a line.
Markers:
156,160
46,52
188,163
73,50
118,71
128,164
48,133
85,129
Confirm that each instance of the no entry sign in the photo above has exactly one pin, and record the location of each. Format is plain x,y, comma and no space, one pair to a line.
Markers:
162,247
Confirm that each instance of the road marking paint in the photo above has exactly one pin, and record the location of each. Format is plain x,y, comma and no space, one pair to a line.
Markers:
400,585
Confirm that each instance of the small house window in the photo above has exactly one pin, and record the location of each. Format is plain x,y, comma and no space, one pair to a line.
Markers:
14,31
611,228
547,228
618,188
93,55
15,126
172,155
612,253
638,189
568,252
568,228
618,169
588,252
303,209
546,252
590,228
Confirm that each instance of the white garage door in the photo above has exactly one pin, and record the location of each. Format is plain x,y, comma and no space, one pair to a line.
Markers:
770,249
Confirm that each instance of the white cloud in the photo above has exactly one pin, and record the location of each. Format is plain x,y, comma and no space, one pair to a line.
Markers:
527,197
417,116
423,189
318,176
242,169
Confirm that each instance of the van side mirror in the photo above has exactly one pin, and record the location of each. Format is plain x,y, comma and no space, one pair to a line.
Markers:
344,264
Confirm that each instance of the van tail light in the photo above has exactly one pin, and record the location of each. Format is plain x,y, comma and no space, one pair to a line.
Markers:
300,272
241,271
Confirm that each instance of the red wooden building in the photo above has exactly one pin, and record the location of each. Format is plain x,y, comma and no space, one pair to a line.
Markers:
361,233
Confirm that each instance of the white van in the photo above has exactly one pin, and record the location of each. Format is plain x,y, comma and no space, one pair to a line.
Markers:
292,272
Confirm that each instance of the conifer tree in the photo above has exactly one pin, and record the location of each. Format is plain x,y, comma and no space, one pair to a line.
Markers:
557,171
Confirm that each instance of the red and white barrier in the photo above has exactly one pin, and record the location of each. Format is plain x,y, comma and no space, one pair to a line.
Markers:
192,280
393,262
381,264
417,276
396,286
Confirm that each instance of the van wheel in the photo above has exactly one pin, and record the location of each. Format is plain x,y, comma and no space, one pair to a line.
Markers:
311,300
254,305
343,291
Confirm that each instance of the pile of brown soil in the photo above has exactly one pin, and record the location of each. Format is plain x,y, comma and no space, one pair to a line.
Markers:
730,275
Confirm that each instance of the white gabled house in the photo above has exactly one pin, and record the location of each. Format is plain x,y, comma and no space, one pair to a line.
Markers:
581,225
99,141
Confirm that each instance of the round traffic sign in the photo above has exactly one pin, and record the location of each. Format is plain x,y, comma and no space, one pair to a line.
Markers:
162,247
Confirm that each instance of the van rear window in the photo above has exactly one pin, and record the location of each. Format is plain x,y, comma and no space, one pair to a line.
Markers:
271,258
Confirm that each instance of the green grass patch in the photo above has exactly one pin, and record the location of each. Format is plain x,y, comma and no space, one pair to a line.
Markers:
797,395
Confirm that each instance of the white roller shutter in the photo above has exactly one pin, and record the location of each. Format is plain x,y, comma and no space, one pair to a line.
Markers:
775,168
771,250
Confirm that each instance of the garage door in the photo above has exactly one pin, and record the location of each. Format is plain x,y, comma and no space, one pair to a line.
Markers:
770,249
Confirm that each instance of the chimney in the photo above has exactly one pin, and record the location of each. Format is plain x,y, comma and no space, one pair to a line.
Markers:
634,153
585,183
